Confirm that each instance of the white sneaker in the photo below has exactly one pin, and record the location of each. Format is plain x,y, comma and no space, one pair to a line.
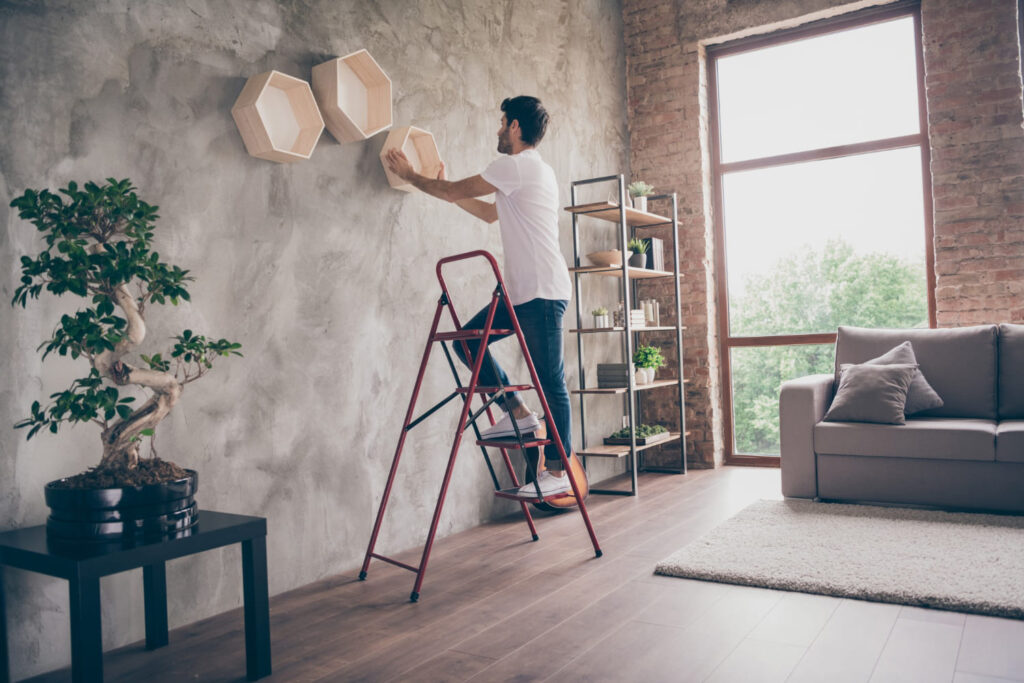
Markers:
503,427
549,486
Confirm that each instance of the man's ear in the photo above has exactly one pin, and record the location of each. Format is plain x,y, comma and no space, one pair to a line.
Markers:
513,128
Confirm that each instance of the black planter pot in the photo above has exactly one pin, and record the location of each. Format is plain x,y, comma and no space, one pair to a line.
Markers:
125,513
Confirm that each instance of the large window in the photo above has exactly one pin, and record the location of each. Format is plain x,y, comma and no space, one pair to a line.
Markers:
822,204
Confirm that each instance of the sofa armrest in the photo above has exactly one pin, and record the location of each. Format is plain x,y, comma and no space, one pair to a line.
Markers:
802,404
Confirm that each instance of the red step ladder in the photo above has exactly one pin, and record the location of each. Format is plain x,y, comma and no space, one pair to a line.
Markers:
466,420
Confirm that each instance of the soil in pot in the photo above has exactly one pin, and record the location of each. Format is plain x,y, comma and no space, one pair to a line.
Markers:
149,471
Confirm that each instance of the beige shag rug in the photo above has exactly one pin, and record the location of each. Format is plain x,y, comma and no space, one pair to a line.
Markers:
946,560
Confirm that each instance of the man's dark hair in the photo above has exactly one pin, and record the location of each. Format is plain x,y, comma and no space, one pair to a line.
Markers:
531,115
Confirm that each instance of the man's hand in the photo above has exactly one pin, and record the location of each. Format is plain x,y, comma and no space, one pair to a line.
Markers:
399,164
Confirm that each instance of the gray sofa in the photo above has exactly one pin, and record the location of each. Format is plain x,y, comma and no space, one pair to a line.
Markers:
968,454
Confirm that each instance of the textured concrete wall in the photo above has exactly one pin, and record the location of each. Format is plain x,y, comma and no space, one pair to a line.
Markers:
322,271
974,103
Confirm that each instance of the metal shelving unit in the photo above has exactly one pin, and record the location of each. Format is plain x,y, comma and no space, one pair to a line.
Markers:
629,221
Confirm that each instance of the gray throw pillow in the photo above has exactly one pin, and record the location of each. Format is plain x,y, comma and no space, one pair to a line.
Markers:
872,393
920,396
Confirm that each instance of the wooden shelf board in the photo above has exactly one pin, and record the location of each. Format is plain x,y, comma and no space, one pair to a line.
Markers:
590,330
421,149
616,271
354,95
656,384
603,451
609,211
277,117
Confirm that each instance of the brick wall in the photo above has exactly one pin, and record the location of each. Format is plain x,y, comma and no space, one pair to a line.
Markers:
977,148
972,80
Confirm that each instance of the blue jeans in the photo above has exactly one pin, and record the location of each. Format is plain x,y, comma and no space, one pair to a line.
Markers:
541,322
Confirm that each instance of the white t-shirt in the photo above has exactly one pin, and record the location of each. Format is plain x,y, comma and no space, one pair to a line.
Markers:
527,202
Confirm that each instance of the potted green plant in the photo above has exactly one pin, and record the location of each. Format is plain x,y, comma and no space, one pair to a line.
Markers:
647,360
639,249
99,248
639,190
645,435
600,317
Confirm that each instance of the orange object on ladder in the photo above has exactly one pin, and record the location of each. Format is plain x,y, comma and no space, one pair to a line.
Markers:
466,420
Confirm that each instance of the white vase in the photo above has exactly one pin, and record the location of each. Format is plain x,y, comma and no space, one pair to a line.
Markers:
640,378
640,203
601,321
650,375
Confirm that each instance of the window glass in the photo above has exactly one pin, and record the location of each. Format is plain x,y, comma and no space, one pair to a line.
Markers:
825,243
849,86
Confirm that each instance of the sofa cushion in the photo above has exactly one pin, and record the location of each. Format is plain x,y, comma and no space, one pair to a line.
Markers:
871,393
920,395
1011,372
932,438
1010,441
960,363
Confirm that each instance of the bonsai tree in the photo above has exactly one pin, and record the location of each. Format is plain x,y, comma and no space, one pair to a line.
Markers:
639,189
648,357
99,248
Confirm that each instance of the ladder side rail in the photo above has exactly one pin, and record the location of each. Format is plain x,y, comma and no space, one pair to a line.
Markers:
455,316
457,441
486,402
553,434
401,439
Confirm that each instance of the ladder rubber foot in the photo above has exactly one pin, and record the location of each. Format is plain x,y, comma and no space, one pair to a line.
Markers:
598,553
414,597
536,537
362,576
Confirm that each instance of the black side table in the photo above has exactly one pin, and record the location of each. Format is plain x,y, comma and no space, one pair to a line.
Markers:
83,566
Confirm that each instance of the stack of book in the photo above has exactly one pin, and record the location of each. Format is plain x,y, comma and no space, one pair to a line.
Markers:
637,318
613,375
655,253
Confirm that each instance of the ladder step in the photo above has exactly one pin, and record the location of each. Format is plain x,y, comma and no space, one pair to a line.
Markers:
528,442
465,334
512,494
494,390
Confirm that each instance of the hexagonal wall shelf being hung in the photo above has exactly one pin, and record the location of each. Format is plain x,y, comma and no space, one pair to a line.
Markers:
354,95
278,117
419,147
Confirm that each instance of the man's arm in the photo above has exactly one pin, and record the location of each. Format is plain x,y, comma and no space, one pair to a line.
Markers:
460,192
485,211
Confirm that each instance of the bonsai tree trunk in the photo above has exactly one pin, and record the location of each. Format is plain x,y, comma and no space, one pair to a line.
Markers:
121,440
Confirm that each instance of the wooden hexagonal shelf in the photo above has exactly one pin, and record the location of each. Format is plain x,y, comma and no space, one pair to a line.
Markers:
419,147
354,95
278,117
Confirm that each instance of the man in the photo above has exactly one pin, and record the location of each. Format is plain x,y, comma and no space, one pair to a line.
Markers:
526,208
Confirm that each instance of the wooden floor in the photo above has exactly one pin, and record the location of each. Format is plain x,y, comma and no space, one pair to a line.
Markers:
497,607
